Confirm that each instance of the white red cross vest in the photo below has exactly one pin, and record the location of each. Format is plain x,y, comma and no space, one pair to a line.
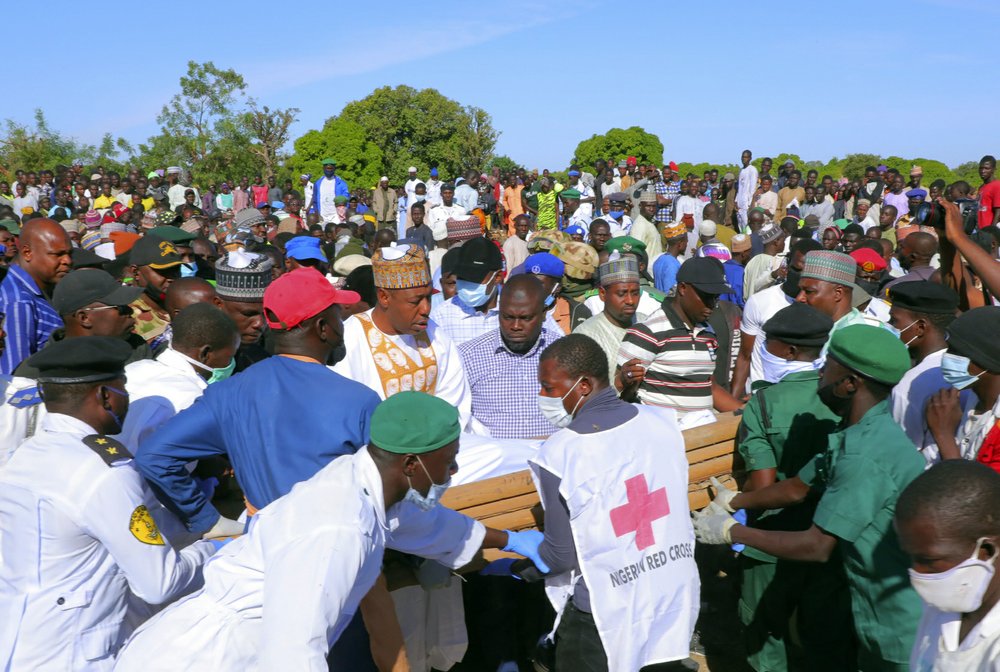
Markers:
627,493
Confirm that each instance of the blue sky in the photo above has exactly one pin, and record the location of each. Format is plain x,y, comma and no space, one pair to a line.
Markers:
913,79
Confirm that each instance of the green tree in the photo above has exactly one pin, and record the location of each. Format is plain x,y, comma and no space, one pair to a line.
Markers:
619,143
359,160
38,146
968,171
269,129
202,114
504,163
423,129
853,166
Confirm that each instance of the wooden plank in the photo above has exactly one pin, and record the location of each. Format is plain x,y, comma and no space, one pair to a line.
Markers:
488,490
723,429
501,506
717,466
711,451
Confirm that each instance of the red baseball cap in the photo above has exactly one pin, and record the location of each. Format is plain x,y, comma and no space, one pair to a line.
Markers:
630,161
673,166
300,294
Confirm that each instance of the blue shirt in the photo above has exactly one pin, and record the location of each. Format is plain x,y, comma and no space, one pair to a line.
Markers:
30,318
734,278
279,422
665,272
505,385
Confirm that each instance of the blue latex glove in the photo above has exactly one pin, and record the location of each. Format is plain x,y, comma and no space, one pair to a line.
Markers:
207,486
218,543
526,543
500,567
741,518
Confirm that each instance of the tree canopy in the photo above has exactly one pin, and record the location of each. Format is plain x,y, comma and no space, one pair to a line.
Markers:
619,143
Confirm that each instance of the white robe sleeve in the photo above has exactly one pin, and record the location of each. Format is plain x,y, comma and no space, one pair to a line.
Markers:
307,588
452,386
440,534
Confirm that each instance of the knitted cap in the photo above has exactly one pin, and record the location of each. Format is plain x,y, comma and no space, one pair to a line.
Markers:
835,267
619,268
248,217
242,276
400,267
464,228
111,227
769,233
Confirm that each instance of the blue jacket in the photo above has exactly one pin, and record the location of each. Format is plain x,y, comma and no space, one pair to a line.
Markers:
279,422
339,189
734,277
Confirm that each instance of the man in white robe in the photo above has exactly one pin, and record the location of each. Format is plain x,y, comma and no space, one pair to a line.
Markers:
280,596
746,187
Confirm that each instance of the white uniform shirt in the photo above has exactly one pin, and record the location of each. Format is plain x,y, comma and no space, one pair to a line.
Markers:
76,535
937,649
451,384
21,412
158,390
278,597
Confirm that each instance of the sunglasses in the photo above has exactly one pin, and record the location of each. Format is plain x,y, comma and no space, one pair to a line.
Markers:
124,311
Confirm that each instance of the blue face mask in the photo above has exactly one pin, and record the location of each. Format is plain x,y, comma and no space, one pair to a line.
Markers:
433,496
617,214
473,294
955,370
551,298
188,270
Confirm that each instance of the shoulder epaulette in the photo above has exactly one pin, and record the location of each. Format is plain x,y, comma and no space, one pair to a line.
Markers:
26,397
110,450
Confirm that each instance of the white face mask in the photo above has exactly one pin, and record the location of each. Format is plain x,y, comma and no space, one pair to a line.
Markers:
775,368
960,589
434,494
553,408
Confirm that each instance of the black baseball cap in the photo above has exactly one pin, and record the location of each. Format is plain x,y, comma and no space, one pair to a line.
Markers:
84,286
155,252
704,274
81,257
477,258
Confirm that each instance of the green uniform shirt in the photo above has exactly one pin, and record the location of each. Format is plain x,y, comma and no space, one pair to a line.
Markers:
863,471
784,426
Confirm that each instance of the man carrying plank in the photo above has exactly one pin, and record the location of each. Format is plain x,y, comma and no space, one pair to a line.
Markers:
618,537
280,596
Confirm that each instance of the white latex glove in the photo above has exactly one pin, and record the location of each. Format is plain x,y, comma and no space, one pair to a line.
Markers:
712,526
224,527
723,495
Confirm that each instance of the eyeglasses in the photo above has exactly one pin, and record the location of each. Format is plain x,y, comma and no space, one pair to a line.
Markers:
124,311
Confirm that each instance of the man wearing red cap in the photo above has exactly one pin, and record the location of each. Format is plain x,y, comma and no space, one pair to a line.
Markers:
279,421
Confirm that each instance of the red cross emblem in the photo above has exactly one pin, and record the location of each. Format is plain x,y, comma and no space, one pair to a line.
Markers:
638,514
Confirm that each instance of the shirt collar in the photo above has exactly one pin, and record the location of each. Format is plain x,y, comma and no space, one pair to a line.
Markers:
22,276
677,322
540,343
178,362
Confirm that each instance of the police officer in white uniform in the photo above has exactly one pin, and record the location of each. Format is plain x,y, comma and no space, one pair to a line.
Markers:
76,533
280,596
21,411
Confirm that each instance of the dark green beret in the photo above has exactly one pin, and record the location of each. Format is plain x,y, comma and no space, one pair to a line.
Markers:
414,422
174,234
872,351
625,244
799,324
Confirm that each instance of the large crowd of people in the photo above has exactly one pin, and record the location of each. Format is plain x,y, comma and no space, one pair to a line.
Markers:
230,412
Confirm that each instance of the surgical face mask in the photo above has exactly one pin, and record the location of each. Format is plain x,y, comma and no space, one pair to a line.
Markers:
553,408
473,294
188,270
551,298
955,370
899,333
775,368
960,589
217,374
434,494
617,214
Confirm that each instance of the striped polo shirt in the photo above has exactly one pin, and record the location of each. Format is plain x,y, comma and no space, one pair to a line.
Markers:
679,361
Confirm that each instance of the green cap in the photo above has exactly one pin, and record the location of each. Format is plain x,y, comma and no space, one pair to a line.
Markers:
841,223
340,200
172,233
328,161
625,244
414,422
570,193
872,351
10,225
